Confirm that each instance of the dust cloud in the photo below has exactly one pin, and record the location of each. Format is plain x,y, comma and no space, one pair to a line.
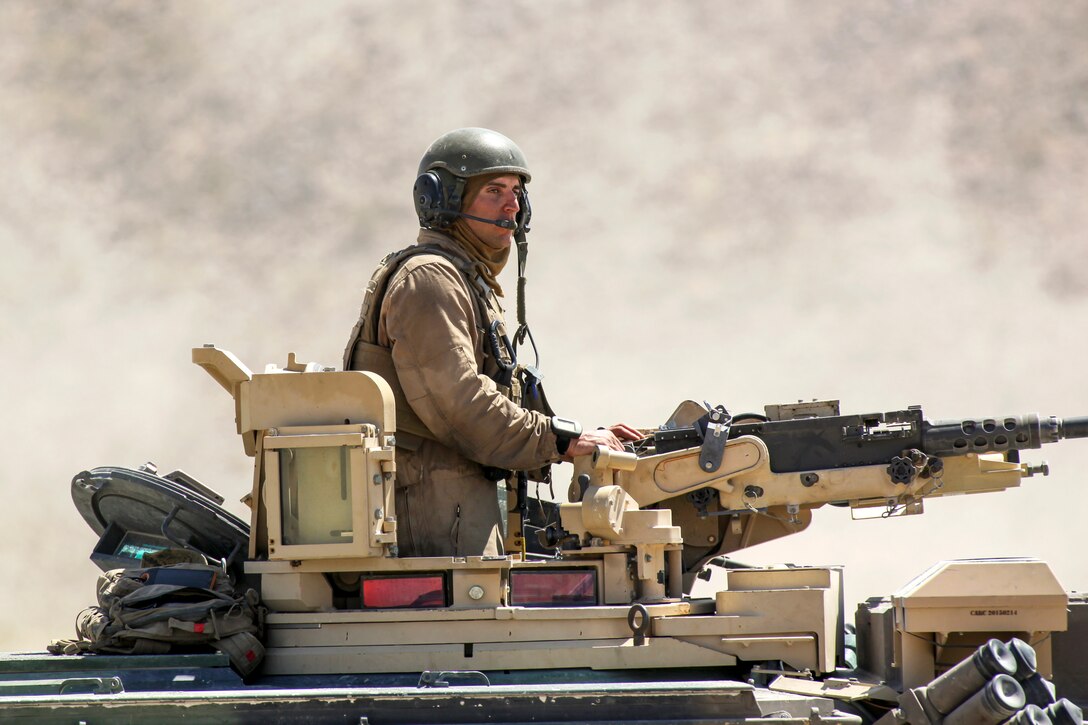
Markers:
744,203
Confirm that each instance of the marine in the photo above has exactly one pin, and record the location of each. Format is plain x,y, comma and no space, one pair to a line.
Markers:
432,324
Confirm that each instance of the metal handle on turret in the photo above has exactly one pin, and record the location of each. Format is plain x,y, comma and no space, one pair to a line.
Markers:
618,460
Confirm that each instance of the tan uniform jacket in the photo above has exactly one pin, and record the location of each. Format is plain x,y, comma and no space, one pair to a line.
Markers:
431,321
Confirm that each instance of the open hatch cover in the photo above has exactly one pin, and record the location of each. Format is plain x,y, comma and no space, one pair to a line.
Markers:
136,512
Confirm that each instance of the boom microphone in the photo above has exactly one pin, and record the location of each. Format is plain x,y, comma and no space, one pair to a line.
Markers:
504,223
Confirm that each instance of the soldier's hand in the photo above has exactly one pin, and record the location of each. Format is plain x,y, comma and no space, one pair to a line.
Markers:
625,432
589,440
610,437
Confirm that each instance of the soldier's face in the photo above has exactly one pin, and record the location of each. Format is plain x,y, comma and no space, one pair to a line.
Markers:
497,200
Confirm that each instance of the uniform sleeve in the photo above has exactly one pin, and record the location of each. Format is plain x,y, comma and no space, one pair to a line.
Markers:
431,324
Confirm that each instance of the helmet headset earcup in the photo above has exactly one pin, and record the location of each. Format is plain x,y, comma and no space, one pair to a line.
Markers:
437,200
428,198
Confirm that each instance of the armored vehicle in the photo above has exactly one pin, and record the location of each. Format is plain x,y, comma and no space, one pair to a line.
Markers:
623,602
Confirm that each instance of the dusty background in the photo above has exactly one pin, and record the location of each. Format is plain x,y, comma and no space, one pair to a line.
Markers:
746,203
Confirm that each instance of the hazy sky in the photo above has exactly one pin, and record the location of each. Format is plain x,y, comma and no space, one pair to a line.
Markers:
734,202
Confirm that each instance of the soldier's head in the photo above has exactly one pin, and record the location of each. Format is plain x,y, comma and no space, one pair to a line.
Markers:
476,174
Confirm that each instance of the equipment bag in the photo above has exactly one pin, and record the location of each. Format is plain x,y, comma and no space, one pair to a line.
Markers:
160,609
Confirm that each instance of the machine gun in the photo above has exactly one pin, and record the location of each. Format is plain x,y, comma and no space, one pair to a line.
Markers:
736,481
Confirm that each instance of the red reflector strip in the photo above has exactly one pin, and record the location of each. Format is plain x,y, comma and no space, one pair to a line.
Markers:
198,628
553,588
411,592
251,655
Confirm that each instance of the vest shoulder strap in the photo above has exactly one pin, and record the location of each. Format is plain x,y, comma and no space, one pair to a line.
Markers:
366,327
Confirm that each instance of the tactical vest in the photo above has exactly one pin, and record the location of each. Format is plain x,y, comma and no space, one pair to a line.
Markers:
364,353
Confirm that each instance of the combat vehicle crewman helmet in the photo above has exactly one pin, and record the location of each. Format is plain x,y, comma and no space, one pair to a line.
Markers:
457,156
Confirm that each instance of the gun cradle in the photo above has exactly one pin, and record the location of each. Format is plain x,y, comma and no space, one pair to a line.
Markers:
748,499
745,479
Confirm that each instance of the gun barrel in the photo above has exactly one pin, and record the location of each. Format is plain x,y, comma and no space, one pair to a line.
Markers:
1075,427
990,435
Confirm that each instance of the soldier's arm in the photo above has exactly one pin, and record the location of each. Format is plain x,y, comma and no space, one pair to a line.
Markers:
430,321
